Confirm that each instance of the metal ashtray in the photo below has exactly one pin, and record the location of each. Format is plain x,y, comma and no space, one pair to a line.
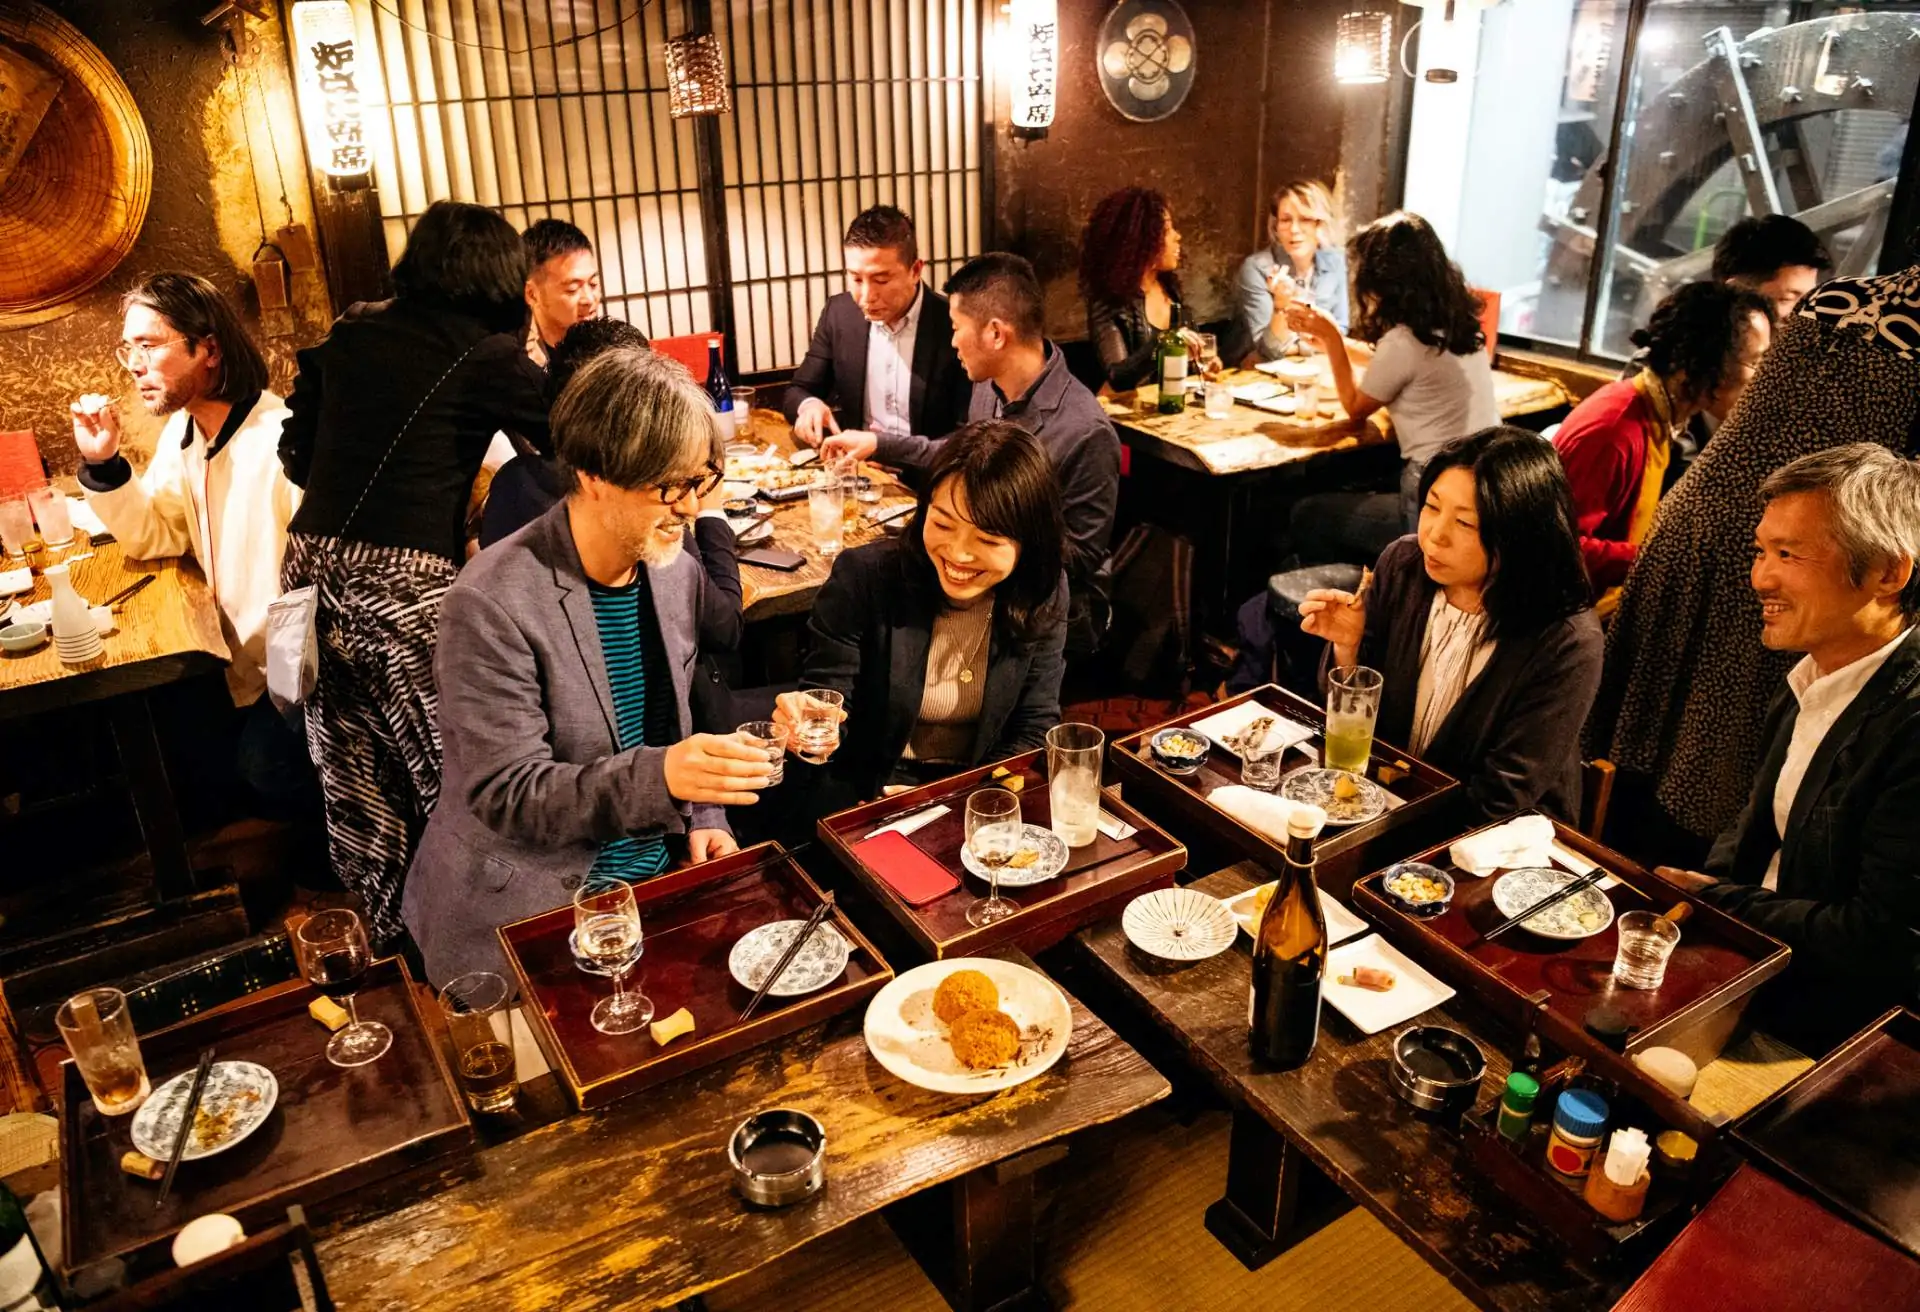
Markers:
1437,1069
778,1157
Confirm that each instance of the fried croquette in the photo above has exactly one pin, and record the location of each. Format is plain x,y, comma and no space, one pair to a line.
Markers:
984,1038
962,992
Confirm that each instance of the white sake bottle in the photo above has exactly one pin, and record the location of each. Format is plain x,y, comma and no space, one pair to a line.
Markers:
75,636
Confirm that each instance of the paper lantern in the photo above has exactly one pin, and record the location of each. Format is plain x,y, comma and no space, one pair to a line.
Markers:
1035,30
328,70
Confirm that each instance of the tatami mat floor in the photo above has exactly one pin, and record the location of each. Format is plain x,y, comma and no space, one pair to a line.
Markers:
1123,1232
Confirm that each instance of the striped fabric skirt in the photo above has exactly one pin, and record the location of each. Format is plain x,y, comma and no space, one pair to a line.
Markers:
371,721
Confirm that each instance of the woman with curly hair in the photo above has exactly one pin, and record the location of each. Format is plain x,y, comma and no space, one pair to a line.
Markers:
1128,256
1701,346
1430,364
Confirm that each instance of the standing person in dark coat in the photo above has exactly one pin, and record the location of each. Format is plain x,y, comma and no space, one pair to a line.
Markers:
1826,855
1480,626
881,361
385,430
1844,368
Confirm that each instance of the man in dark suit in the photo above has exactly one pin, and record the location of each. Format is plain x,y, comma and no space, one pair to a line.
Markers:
881,361
1826,855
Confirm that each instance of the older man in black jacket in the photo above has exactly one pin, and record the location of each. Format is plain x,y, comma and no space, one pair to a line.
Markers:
1826,855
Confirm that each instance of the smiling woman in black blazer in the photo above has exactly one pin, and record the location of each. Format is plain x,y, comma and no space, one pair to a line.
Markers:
946,642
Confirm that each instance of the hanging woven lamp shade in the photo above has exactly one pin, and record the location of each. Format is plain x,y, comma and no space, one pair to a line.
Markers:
79,165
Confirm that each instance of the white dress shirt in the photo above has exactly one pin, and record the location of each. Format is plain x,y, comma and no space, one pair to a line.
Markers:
1452,655
890,371
1823,699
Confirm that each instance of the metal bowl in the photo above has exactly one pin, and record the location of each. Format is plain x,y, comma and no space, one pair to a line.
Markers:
778,1157
1437,1069
1178,761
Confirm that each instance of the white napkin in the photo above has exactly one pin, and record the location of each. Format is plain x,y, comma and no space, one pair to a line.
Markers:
1526,841
82,517
1267,812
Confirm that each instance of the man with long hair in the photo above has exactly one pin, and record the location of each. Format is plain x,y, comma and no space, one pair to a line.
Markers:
213,489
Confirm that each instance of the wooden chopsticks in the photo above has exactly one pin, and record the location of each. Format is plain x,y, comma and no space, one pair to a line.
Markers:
1548,902
186,1124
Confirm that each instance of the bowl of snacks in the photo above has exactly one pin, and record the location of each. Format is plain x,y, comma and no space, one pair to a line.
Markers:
1181,751
1418,888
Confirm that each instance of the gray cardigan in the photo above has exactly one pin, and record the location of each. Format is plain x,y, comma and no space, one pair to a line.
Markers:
533,782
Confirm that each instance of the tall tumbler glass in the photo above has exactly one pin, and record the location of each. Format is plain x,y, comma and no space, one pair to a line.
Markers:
1353,703
1073,781
475,1007
98,1031
50,511
826,506
16,526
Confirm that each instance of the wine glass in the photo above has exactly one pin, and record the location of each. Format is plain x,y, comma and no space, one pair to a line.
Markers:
993,836
334,954
606,932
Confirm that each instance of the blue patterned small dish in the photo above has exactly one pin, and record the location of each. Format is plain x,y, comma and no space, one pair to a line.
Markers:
239,1097
1180,750
822,961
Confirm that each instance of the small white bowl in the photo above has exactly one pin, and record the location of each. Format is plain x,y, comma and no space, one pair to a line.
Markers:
23,635
102,619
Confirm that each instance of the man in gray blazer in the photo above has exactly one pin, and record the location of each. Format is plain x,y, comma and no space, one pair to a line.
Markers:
564,659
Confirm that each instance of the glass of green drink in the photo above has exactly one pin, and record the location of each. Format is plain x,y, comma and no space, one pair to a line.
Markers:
1353,701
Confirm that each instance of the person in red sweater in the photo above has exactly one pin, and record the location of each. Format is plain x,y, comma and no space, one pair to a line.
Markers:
1702,345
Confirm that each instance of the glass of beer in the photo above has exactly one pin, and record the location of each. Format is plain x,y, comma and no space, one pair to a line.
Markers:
1353,702
98,1031
475,1007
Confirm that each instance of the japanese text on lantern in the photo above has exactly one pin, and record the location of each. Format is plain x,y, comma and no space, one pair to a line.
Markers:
1036,51
330,96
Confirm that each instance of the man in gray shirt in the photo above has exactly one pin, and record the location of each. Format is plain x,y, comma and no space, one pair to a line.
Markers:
1017,374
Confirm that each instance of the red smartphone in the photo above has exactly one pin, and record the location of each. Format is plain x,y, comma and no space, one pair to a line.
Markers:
773,558
905,869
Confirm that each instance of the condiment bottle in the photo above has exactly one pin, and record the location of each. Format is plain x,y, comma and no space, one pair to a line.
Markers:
1617,1188
1673,1153
75,636
1516,1107
1579,1121
1670,1068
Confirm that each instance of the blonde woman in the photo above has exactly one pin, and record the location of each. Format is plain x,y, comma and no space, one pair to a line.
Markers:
1305,260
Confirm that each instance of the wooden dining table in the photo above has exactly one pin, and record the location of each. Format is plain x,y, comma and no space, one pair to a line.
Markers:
166,632
770,593
632,1206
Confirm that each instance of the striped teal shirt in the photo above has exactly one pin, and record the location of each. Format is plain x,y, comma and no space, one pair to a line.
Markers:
643,707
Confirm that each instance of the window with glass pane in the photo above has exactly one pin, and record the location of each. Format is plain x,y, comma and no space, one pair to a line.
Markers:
1496,159
1731,109
1752,109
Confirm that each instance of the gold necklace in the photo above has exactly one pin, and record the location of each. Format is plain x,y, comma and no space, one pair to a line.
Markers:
979,647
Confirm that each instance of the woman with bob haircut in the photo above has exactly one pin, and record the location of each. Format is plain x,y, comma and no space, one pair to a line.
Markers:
1304,260
1430,366
1129,258
947,642
1480,626
389,418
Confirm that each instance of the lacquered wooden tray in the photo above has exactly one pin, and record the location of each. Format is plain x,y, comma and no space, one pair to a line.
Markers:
1096,877
1434,800
1848,1129
332,1132
690,920
1556,984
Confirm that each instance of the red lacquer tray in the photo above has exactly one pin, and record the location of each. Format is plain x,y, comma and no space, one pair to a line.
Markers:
1556,984
1096,880
691,920
1434,800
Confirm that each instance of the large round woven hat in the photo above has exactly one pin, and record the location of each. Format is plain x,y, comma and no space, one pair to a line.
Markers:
76,165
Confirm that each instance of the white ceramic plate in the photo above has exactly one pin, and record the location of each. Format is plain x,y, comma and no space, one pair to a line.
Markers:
1052,859
1342,924
237,1101
1583,915
1222,725
1413,991
1256,392
1279,405
1178,924
822,961
1315,786
906,1037
1290,368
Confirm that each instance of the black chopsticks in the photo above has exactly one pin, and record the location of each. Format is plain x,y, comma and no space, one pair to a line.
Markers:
814,921
125,594
186,1124
1552,899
